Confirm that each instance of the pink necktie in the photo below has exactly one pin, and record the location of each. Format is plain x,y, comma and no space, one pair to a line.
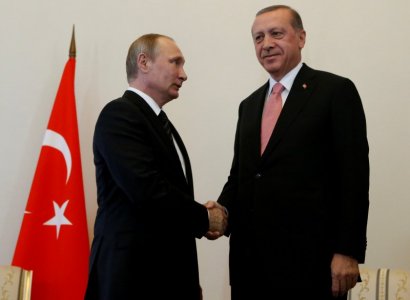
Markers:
271,114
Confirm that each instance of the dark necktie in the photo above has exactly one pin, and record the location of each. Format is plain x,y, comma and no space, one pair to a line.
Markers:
166,124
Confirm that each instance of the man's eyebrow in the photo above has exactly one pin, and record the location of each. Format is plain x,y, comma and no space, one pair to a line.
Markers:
178,57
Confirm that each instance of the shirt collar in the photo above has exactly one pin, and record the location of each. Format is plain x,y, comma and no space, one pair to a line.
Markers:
288,79
154,106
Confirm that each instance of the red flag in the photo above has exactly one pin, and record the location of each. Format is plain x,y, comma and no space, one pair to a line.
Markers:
53,240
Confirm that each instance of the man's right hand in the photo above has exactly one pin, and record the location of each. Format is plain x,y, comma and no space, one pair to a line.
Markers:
218,220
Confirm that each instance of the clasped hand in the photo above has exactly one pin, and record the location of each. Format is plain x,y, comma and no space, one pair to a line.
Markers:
218,220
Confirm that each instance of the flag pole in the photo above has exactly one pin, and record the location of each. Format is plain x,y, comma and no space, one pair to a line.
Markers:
73,51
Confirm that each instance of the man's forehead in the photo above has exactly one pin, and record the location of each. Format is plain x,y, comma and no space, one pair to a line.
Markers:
173,53
269,23
169,46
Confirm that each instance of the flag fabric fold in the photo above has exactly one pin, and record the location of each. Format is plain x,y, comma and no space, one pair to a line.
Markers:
53,239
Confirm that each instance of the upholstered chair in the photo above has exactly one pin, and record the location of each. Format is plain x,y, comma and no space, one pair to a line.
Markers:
381,284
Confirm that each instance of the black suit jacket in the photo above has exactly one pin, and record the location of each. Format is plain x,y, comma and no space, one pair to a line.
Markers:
147,220
306,197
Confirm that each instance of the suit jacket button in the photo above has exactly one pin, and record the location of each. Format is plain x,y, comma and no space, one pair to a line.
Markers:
258,175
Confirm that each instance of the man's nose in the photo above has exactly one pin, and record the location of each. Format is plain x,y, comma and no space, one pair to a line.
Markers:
183,75
269,42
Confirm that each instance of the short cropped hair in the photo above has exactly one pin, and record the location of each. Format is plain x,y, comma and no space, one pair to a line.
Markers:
296,19
147,44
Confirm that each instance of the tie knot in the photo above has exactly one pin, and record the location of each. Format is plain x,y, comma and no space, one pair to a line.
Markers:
165,123
277,88
163,117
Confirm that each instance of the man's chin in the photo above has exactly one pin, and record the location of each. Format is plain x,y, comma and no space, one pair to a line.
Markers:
271,69
173,95
270,65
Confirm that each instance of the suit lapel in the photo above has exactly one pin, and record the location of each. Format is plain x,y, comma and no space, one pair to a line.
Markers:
169,147
252,116
298,97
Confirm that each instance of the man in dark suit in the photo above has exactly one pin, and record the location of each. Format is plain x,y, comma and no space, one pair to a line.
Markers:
147,220
297,209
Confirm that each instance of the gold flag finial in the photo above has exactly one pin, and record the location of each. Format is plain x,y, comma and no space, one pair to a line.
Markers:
72,52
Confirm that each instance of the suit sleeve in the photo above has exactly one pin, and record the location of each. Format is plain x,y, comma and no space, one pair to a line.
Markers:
230,189
352,171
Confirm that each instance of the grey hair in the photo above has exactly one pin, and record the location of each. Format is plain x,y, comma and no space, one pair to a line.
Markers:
296,19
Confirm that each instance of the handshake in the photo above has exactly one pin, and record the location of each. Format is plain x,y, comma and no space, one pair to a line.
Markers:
218,220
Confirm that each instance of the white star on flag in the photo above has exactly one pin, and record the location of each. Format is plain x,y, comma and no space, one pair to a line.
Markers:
59,218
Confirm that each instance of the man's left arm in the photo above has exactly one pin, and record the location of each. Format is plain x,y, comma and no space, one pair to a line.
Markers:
352,163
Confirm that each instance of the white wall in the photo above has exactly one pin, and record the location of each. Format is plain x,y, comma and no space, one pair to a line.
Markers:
365,40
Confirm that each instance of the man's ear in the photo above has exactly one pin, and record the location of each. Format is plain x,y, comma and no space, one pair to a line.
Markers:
302,38
143,62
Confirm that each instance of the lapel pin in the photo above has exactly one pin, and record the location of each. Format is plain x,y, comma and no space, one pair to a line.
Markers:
304,86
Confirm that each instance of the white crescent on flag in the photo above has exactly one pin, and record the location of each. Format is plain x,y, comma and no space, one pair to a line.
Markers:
55,140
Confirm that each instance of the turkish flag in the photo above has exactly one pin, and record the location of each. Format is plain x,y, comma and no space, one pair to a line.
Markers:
53,240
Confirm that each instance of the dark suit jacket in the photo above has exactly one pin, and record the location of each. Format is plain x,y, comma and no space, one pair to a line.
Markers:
147,220
306,197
